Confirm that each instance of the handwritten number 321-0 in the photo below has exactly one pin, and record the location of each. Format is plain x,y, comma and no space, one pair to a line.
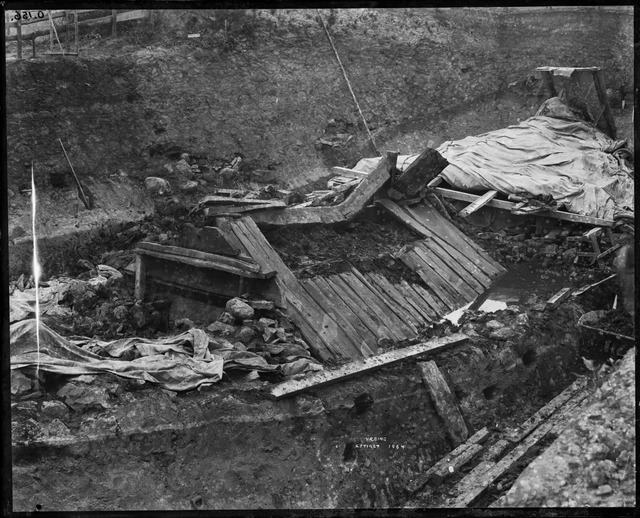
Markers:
27,14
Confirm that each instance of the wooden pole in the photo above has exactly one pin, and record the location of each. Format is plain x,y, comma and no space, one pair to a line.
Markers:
80,191
114,22
19,40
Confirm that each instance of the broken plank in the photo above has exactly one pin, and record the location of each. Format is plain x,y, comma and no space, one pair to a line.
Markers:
507,205
477,204
477,438
431,278
384,286
369,338
558,298
365,190
213,212
350,346
401,215
421,171
144,246
386,313
229,200
343,171
453,279
530,424
429,314
583,289
366,316
439,308
471,489
489,458
398,310
444,401
358,368
446,232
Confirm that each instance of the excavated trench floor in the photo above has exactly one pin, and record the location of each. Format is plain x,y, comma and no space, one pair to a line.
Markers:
358,443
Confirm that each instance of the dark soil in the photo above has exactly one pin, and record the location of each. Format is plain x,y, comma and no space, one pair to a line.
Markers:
364,245
617,321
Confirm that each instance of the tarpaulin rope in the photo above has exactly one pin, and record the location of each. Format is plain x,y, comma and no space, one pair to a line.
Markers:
344,73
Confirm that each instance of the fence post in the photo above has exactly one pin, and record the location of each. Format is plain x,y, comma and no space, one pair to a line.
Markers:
114,22
67,43
19,36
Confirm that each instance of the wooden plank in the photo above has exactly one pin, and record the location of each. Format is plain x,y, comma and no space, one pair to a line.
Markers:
489,459
199,263
207,239
420,172
438,307
346,210
370,296
435,182
469,489
350,346
368,318
441,300
385,287
530,424
140,277
224,225
343,171
320,330
477,204
444,402
249,266
507,205
558,298
438,254
476,439
363,299
446,232
228,200
398,310
428,313
431,278
401,215
369,338
357,368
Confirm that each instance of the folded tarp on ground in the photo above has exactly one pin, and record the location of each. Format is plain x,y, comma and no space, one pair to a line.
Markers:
568,159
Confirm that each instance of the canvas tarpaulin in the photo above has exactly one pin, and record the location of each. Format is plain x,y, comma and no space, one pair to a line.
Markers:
566,158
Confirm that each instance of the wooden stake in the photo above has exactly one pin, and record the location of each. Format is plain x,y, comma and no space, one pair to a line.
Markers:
81,192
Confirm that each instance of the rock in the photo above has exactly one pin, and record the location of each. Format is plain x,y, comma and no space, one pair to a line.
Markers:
264,176
550,250
138,314
170,207
494,324
55,428
183,323
189,186
120,313
211,176
228,173
289,349
261,304
54,410
219,343
221,329
184,168
86,302
168,169
503,333
20,384
239,309
227,318
184,156
604,490
157,185
522,319
245,334
81,397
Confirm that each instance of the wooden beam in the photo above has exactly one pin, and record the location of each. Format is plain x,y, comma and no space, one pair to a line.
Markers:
477,204
344,211
343,171
558,298
228,200
248,265
507,205
476,439
444,402
140,277
472,488
420,172
358,368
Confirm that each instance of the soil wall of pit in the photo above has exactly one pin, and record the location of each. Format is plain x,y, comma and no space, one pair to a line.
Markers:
266,85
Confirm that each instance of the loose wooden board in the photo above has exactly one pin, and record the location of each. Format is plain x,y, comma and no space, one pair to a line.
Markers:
357,368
